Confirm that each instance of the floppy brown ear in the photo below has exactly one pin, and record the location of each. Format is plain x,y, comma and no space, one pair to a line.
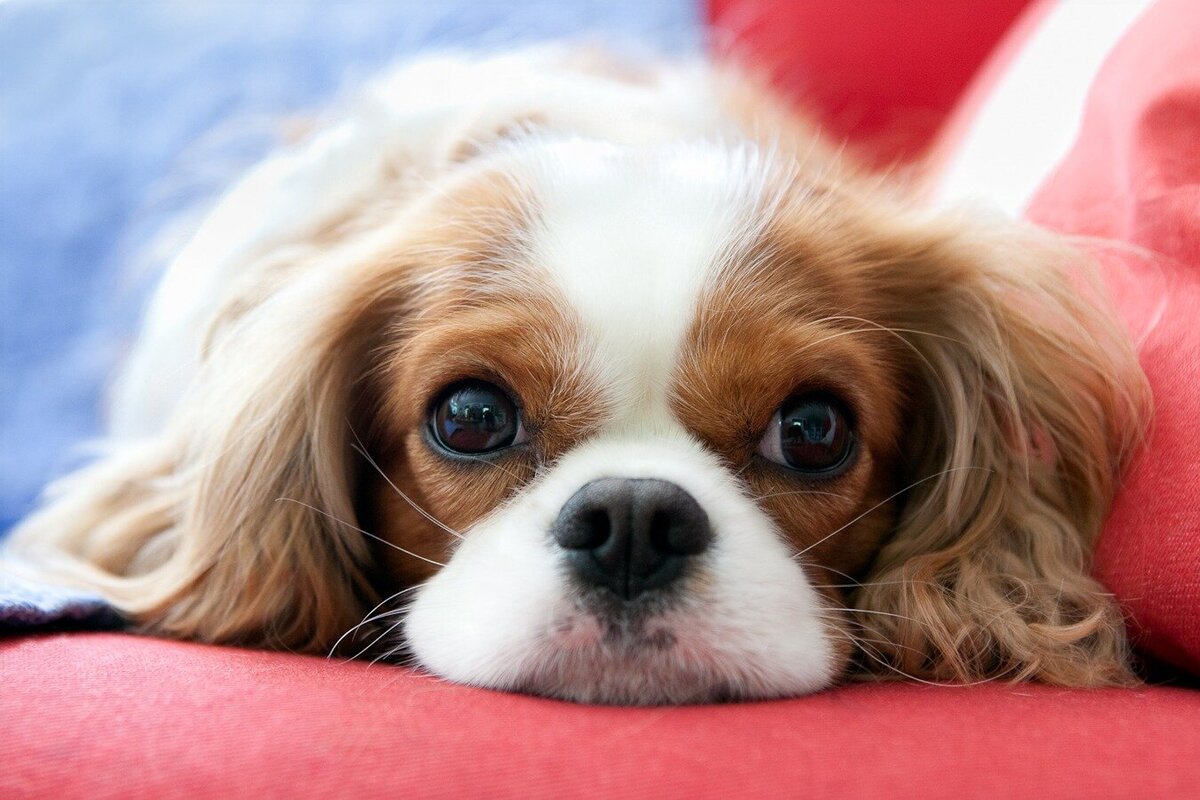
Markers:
225,527
1027,402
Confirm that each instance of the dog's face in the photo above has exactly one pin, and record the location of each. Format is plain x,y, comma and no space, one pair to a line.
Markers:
646,416
634,421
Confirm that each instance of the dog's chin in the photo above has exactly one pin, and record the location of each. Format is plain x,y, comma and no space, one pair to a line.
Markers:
626,658
651,652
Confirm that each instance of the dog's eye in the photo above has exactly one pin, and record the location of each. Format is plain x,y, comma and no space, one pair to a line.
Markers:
811,434
475,417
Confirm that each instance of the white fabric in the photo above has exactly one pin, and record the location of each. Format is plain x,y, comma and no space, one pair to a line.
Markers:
1033,114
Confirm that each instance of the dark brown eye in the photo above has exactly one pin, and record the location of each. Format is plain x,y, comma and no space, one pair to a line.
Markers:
810,434
475,417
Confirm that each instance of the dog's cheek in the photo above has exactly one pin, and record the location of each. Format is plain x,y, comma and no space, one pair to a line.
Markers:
412,547
422,505
839,525
482,619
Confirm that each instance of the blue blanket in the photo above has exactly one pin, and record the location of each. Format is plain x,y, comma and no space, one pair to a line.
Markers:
116,115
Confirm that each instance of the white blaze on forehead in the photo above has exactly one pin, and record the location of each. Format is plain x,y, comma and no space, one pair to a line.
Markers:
631,236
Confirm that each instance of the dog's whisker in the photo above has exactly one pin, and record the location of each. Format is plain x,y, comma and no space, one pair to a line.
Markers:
493,465
864,584
857,639
359,626
884,502
837,572
376,641
889,329
379,539
896,332
799,492
368,618
362,450
848,585
907,676
872,611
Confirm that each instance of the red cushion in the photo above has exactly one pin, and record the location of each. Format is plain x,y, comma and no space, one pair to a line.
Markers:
106,715
1134,176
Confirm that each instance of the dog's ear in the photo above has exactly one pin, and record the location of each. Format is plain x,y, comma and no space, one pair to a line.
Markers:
1027,400
238,524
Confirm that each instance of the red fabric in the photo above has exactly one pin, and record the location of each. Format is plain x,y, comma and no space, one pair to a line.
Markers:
882,74
104,715
957,124
1134,176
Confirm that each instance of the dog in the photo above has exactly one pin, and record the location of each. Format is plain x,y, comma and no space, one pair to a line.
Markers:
611,381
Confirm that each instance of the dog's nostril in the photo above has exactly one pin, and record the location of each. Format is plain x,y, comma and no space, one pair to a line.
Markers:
660,531
682,529
631,534
586,528
596,528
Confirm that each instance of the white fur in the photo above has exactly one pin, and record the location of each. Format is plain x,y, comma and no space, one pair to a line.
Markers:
630,237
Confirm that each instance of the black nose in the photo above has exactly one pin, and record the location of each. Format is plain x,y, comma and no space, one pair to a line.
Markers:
631,534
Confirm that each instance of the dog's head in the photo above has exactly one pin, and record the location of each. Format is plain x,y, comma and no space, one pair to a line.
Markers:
640,423
661,424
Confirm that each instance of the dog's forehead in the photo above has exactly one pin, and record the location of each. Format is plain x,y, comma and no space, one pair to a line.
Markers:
631,239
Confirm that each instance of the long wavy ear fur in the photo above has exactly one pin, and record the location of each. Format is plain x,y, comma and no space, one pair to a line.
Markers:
235,524
1029,401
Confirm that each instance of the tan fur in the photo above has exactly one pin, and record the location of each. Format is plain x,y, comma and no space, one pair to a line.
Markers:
1027,401
1031,400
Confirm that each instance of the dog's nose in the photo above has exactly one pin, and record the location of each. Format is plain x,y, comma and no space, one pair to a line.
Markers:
631,534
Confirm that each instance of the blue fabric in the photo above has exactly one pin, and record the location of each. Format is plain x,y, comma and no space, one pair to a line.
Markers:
25,605
115,116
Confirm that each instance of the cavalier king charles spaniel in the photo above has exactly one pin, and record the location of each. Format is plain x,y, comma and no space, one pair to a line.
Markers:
611,382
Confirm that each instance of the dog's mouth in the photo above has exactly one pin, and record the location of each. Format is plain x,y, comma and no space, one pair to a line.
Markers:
625,654
618,629
634,658
615,652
